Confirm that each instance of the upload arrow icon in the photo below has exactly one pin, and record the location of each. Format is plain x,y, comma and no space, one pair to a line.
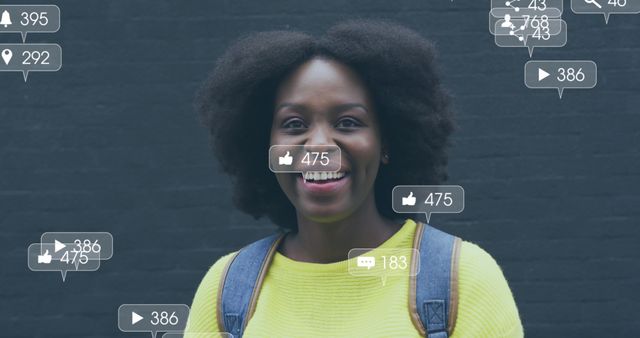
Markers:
135,318
542,74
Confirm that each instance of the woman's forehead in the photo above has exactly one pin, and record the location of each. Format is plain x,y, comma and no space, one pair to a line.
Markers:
322,78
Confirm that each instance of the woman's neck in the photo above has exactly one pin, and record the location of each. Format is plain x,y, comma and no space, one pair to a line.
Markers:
317,242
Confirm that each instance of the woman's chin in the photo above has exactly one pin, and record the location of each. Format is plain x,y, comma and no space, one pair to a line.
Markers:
325,214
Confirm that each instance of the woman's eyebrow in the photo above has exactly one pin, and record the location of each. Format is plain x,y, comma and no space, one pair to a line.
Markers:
335,109
294,106
348,106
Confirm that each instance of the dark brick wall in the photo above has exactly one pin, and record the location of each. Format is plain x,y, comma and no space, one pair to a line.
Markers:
111,143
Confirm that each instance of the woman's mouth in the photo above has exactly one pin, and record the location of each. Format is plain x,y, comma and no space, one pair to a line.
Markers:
321,177
323,182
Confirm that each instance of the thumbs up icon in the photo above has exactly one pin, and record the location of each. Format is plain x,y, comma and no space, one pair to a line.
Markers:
44,259
287,159
409,200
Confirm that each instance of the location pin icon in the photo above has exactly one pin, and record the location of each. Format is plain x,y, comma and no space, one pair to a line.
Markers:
6,56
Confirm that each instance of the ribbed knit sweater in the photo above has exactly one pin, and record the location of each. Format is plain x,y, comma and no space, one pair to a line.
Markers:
300,299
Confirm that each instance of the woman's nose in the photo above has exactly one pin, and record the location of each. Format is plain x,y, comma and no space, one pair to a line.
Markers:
320,135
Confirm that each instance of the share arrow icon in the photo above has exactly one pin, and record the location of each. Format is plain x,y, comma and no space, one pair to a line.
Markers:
542,74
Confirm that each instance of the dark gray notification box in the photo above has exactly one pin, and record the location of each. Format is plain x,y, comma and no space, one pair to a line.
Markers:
26,19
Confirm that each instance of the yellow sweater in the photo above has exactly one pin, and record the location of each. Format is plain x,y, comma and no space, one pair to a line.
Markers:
301,299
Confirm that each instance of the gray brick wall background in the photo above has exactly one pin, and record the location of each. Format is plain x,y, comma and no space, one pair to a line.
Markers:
111,143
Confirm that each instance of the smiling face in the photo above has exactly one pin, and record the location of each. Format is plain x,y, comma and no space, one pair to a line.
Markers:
323,102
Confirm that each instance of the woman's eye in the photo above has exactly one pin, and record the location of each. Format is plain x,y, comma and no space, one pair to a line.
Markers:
293,124
348,123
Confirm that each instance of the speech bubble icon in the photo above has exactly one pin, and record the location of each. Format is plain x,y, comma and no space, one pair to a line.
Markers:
427,199
44,257
152,318
304,158
366,262
605,7
560,74
25,19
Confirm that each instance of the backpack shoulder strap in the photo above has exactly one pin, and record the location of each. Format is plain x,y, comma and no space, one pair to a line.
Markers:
433,295
240,284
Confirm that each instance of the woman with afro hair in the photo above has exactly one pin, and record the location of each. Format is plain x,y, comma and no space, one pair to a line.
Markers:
370,88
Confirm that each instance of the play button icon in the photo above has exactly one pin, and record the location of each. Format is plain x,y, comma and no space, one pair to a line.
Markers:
542,74
135,318
152,318
59,246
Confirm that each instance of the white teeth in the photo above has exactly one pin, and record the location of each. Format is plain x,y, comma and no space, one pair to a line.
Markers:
322,175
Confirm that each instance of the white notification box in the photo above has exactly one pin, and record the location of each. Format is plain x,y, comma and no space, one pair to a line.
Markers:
560,74
100,241
382,263
531,42
498,13
550,8
197,335
153,318
427,199
304,158
30,57
527,28
26,19
605,7
45,257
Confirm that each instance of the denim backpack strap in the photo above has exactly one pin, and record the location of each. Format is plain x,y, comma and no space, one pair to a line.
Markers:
240,284
434,289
